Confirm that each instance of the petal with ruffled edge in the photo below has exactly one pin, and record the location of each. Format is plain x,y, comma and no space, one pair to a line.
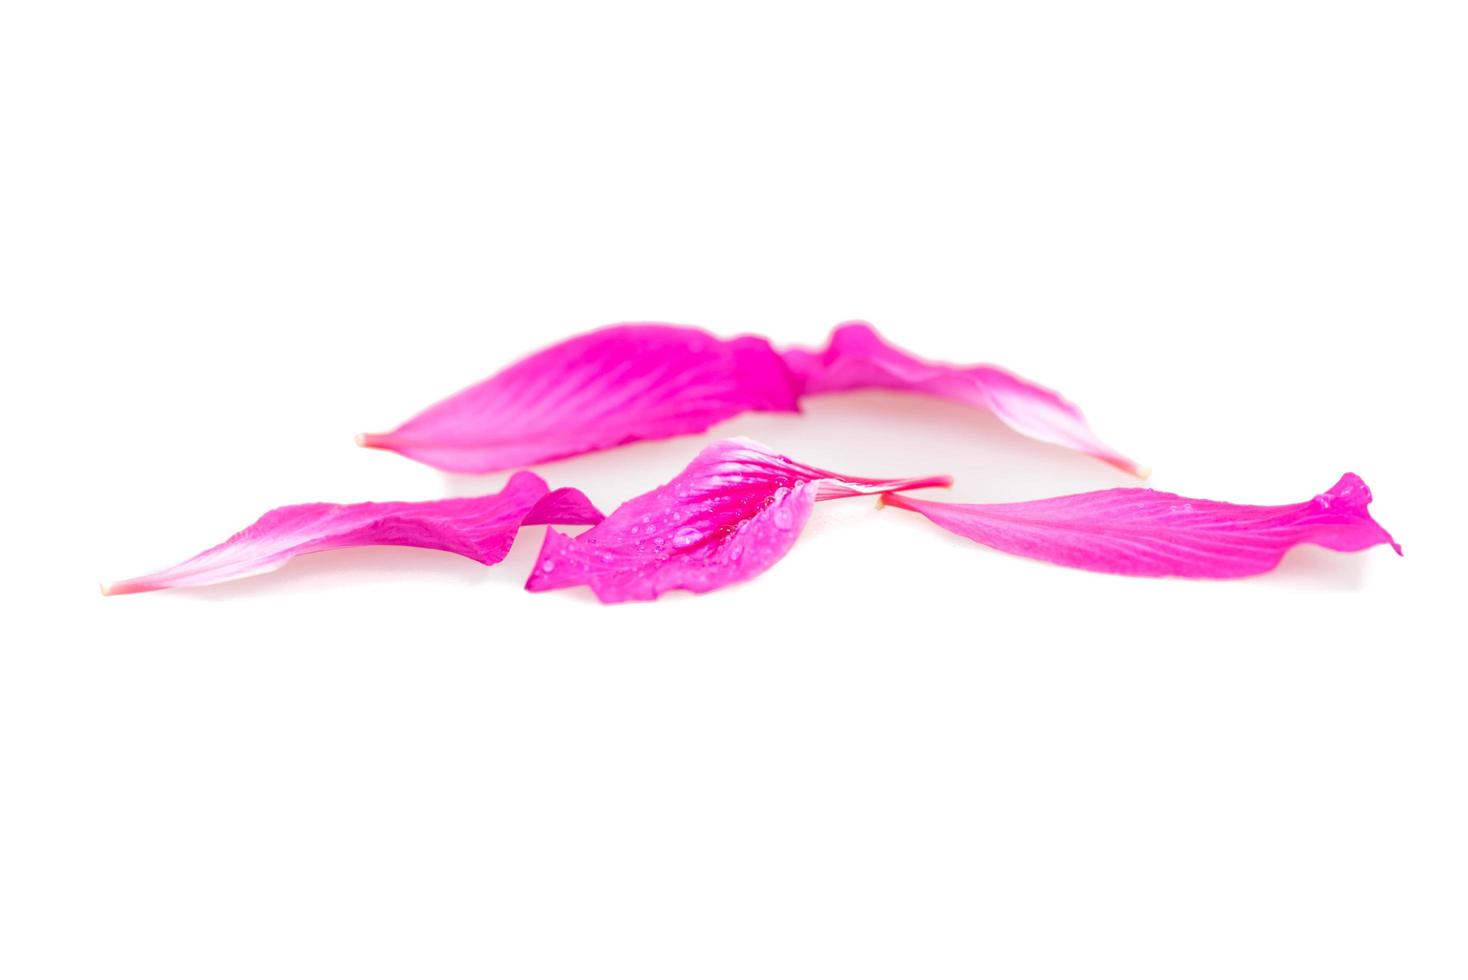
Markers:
612,386
481,528
1136,531
857,357
731,514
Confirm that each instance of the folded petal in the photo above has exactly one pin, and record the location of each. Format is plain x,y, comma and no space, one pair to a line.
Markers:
481,528
602,389
732,513
857,357
1136,531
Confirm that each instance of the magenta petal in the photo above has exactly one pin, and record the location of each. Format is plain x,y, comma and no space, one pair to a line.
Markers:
857,357
564,506
481,528
1135,531
602,389
732,513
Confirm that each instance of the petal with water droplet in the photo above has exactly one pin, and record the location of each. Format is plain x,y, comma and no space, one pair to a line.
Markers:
1136,531
739,509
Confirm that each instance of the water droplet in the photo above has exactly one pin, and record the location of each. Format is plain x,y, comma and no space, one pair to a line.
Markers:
783,519
1323,501
548,566
685,537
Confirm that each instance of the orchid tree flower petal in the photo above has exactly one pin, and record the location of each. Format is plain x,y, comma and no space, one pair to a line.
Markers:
481,528
857,357
731,514
1137,531
637,381
612,386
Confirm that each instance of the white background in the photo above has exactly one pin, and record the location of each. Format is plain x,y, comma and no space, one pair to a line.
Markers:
235,235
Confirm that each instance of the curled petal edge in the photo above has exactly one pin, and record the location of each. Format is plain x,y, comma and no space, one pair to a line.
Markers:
479,528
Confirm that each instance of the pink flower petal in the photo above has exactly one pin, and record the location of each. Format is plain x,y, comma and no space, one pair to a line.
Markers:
481,528
732,513
638,381
857,357
1135,531
602,389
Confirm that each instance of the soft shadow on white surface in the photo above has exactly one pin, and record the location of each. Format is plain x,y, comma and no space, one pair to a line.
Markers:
868,433
353,568
873,434
1315,569
350,567
357,567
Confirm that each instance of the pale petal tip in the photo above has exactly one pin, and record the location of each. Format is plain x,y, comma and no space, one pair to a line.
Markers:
1142,472
127,587
372,440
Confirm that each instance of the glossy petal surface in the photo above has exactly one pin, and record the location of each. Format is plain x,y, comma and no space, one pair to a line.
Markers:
732,513
481,528
857,357
602,389
1136,531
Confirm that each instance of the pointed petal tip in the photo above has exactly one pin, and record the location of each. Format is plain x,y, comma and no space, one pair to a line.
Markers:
890,499
1350,483
1127,465
127,587
941,482
371,440
892,495
838,486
